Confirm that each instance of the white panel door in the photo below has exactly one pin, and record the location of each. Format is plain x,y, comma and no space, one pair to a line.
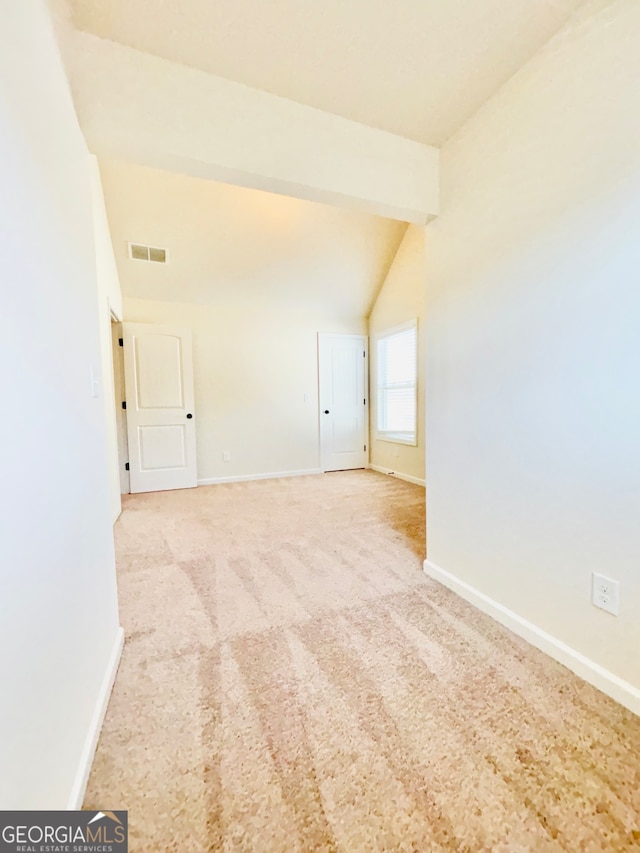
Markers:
342,363
158,369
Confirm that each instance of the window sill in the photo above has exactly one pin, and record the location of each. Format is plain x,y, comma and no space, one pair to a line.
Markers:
397,439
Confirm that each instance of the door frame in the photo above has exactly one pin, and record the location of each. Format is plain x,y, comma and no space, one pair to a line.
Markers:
119,398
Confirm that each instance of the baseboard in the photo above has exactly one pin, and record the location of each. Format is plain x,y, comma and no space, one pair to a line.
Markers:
76,797
408,477
243,478
623,692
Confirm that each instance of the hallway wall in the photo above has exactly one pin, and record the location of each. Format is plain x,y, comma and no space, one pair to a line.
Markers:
59,631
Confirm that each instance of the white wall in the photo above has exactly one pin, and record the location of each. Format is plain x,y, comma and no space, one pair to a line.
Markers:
110,309
58,608
533,410
256,276
252,369
401,298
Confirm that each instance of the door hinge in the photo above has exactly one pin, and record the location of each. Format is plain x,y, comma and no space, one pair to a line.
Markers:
126,466
364,402
121,341
124,404
365,447
364,353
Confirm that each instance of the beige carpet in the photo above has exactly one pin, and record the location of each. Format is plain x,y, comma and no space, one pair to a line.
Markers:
291,681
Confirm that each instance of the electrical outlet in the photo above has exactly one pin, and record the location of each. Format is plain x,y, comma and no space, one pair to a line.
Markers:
605,594
226,456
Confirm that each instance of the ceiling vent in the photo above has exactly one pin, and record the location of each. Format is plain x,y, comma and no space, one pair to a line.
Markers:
138,252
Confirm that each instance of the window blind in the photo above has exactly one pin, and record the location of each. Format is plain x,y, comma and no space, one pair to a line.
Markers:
396,383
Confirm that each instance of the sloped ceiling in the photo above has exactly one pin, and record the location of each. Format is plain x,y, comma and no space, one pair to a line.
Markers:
230,244
416,68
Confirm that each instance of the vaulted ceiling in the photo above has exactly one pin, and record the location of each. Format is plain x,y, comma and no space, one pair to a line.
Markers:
417,68
234,245
155,84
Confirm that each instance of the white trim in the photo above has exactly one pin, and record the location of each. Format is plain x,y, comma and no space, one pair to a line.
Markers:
112,312
614,686
243,478
408,477
385,434
396,438
76,796
395,330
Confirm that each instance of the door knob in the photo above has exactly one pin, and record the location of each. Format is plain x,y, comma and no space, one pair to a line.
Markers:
326,411
189,415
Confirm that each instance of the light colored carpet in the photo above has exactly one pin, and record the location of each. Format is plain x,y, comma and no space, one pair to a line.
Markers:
291,681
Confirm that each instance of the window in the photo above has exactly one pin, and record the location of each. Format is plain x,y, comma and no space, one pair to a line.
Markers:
396,368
